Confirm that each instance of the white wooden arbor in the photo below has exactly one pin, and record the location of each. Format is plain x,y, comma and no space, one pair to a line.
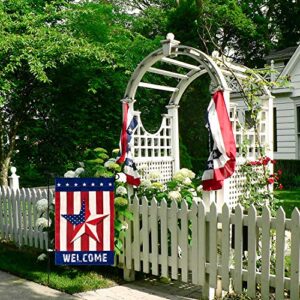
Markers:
160,150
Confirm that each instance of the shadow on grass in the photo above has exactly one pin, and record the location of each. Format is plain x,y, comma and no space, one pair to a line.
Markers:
23,262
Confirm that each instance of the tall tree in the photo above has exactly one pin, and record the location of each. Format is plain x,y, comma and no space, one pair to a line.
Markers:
54,60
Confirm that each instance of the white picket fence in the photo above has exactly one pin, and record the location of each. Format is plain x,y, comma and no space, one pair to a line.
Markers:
194,245
18,216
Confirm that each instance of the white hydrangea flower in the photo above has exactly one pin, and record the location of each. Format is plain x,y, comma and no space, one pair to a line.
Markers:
174,195
124,226
121,177
121,190
199,188
179,176
116,151
187,173
42,257
42,205
70,174
158,186
187,181
110,163
78,171
43,222
146,183
155,175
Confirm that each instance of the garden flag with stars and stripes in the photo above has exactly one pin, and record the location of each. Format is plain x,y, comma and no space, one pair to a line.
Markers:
222,158
84,221
130,122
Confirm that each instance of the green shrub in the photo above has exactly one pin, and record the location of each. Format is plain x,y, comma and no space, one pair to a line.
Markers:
290,177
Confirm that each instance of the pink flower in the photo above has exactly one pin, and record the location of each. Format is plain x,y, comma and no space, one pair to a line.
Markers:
271,180
279,172
280,186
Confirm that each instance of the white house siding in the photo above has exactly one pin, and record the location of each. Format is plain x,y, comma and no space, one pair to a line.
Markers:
286,101
286,129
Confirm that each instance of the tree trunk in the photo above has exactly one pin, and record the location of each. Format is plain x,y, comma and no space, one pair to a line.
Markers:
199,5
6,152
4,172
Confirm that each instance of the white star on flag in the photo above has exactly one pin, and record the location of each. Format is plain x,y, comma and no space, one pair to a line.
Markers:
85,223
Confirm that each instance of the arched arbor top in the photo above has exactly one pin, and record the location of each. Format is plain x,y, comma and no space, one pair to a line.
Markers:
189,64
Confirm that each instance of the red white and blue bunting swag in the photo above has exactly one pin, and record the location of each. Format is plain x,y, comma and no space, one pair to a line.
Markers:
130,122
221,161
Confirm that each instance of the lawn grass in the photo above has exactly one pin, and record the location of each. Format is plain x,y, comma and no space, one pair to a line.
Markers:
288,199
23,262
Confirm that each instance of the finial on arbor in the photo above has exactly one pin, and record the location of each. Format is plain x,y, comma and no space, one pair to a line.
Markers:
168,43
215,54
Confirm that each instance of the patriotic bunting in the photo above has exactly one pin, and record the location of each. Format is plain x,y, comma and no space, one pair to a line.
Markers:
221,161
130,122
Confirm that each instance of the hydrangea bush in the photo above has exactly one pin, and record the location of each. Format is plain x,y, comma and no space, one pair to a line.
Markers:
45,222
181,187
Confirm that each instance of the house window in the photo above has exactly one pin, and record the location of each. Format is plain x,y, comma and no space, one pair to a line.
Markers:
275,129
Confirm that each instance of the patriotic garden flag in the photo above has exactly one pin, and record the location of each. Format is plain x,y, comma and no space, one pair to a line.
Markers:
221,161
84,221
129,124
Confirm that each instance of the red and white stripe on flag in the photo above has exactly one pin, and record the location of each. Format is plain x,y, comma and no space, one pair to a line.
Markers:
130,123
84,221
124,136
221,161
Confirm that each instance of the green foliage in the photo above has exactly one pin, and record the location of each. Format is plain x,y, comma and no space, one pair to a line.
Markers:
185,158
63,66
258,187
259,182
291,173
94,163
284,22
192,119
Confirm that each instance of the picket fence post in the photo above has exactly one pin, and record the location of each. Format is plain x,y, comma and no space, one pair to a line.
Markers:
174,239
252,248
14,179
164,237
280,243
295,255
265,255
145,234
128,271
225,247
